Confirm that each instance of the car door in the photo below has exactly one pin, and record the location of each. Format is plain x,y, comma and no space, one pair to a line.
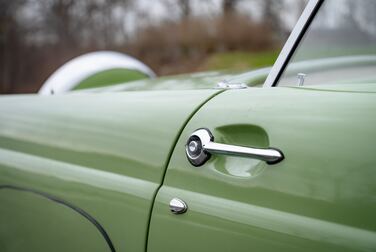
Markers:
319,194
320,197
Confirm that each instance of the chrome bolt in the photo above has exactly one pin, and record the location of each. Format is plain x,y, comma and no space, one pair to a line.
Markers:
193,146
301,78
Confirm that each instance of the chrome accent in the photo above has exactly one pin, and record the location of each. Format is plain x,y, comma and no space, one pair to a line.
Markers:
193,146
301,77
178,206
292,42
228,85
207,146
198,156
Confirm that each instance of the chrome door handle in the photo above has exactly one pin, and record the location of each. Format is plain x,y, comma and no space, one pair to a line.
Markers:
201,145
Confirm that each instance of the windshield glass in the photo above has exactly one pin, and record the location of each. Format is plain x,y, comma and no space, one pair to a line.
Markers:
338,48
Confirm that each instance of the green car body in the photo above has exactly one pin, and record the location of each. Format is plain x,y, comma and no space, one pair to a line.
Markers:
95,170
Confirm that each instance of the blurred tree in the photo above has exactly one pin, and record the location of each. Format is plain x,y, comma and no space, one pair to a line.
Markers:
271,11
360,15
185,8
80,22
177,10
301,6
62,21
229,6
33,30
369,16
10,43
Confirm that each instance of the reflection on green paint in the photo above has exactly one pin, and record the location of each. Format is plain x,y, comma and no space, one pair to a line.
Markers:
110,77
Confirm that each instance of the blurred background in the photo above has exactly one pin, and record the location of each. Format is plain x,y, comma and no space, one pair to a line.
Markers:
170,36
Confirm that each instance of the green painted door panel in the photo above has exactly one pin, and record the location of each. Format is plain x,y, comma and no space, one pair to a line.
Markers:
103,153
321,197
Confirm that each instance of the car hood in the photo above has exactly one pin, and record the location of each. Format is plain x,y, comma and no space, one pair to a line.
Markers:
202,80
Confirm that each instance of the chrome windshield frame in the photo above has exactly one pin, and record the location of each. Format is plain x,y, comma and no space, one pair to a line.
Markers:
293,42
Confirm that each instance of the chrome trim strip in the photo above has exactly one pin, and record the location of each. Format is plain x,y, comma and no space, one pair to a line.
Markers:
292,42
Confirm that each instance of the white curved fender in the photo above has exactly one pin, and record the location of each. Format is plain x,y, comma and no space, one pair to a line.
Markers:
78,69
